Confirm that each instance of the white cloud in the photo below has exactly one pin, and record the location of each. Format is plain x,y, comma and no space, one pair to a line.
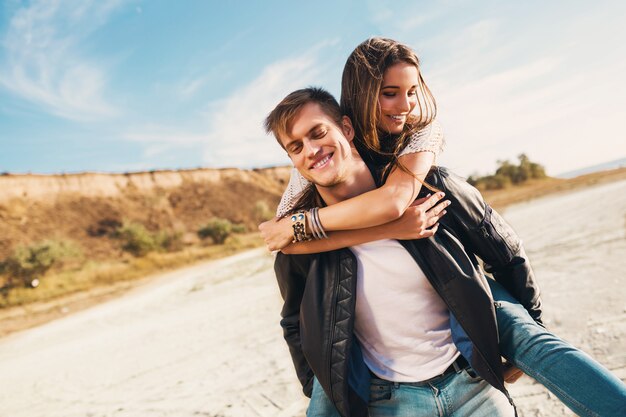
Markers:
43,64
190,87
158,140
236,134
510,81
233,132
396,19
562,117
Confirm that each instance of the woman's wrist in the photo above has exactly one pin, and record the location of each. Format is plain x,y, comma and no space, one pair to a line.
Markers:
316,225
305,225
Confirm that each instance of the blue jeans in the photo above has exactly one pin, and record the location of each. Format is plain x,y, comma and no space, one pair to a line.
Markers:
454,395
576,379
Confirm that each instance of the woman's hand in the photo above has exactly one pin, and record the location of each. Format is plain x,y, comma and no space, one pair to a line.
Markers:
420,220
277,233
511,372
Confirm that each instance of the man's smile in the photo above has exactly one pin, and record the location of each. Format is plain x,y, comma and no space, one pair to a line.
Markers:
322,162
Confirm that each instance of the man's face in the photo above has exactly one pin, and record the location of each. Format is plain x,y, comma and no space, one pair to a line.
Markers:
319,149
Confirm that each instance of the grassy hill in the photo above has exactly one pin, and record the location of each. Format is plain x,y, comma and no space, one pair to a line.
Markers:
82,222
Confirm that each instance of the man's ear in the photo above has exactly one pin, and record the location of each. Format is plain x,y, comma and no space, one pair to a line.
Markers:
346,127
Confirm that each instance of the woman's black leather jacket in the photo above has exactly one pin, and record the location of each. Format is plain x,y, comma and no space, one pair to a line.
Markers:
319,296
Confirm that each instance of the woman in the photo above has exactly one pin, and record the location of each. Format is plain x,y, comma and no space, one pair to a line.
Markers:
381,89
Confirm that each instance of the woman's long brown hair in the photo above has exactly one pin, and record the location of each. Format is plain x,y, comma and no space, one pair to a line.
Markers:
361,83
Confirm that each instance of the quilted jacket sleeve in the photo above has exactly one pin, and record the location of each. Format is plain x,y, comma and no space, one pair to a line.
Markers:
485,233
291,272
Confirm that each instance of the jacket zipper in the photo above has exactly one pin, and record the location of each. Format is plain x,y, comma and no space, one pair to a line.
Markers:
329,347
487,235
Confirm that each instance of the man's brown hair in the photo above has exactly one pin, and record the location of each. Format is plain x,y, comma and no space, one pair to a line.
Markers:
279,121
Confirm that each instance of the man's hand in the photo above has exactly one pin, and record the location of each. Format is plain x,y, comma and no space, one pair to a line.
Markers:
420,220
511,373
277,233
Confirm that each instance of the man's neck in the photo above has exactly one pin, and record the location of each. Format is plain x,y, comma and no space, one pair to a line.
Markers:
358,180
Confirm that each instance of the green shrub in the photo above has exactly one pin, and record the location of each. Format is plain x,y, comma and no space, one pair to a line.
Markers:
491,182
169,241
136,239
261,211
219,229
139,241
28,263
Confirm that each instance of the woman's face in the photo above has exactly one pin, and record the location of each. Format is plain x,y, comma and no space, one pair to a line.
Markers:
397,97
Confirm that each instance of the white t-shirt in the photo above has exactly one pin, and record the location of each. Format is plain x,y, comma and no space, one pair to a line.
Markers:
403,325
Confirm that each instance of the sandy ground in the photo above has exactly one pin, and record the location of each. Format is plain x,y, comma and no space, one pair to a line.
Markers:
205,340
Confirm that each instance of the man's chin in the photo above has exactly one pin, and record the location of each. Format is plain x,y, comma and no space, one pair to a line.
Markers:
321,181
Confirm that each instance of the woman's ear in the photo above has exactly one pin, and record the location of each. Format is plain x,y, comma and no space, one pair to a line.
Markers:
346,126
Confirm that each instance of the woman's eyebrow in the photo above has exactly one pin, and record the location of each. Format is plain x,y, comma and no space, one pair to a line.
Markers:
395,86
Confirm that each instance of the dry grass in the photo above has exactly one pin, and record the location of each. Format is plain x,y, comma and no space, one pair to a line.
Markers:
539,188
96,281
95,274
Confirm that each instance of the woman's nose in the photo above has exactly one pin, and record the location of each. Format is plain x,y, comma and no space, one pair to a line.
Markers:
404,104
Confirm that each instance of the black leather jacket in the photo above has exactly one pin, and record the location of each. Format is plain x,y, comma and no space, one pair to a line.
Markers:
319,296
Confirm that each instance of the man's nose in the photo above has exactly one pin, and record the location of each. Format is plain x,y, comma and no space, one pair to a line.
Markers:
311,148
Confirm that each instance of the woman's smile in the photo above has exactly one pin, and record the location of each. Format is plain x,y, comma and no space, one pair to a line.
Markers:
397,97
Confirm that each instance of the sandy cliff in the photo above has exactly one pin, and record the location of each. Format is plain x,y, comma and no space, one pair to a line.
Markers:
84,207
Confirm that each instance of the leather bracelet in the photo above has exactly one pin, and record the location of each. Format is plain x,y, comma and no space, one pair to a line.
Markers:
299,227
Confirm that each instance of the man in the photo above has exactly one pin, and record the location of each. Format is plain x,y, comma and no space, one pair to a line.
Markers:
393,317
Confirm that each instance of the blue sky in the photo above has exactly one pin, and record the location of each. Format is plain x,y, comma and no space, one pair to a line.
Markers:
127,85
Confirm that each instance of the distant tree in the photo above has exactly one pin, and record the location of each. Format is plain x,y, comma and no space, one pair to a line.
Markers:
508,174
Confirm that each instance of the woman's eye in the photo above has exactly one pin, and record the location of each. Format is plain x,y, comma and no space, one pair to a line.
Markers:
296,148
389,94
412,93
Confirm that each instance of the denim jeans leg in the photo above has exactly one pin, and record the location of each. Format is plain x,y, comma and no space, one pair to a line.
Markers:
453,395
473,396
389,399
320,405
581,383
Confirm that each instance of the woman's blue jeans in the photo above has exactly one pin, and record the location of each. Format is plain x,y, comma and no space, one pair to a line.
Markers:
581,383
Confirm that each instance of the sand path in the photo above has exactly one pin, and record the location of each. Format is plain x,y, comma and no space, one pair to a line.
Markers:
205,340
